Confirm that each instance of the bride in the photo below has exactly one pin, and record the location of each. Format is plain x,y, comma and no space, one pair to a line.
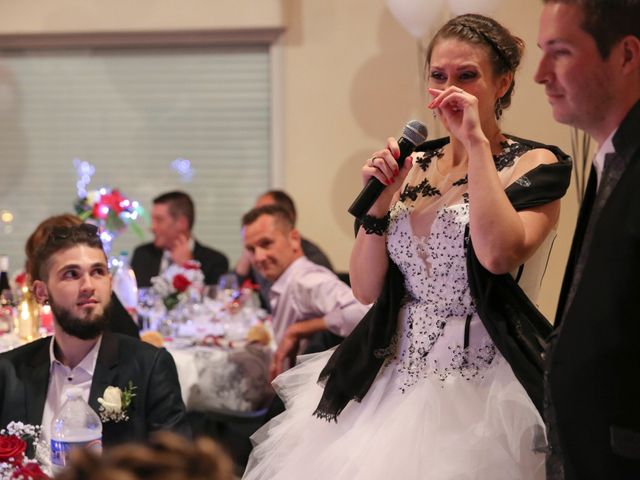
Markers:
432,383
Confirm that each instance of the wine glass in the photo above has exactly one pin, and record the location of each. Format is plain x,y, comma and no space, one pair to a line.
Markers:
227,286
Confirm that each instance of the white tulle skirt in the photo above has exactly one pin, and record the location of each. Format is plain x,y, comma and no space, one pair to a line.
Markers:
438,430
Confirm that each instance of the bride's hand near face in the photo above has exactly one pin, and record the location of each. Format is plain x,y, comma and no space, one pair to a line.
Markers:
459,113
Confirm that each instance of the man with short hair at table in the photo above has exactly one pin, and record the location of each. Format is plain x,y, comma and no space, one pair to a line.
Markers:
172,219
590,69
310,250
34,379
305,298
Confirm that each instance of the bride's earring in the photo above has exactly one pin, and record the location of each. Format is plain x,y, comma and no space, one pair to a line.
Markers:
498,108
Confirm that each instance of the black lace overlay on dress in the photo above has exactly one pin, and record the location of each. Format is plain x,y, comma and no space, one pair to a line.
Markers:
425,160
506,158
353,367
510,151
424,188
460,182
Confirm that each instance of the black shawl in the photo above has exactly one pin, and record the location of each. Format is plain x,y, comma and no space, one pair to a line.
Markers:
515,325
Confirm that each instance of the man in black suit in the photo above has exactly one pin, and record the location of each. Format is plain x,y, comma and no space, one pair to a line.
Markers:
591,72
172,219
74,279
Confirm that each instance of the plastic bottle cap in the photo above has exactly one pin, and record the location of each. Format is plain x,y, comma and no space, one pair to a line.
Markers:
73,393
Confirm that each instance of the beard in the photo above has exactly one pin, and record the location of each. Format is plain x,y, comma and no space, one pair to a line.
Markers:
82,328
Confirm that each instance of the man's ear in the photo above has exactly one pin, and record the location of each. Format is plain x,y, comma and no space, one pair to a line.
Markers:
40,291
183,223
295,238
630,47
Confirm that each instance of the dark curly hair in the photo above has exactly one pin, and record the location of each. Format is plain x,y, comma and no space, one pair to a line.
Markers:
504,49
39,236
167,456
61,238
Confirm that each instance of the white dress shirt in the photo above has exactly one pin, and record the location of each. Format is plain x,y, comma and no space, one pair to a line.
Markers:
62,378
598,161
306,290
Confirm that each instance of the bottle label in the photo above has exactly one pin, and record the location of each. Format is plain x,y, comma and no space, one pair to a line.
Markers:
60,449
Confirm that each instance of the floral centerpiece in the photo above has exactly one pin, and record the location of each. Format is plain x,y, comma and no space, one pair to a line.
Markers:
106,207
14,462
178,284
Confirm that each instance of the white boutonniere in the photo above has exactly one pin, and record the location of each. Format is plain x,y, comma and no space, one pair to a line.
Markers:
115,402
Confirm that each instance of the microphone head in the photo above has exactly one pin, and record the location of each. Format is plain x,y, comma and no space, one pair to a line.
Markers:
415,132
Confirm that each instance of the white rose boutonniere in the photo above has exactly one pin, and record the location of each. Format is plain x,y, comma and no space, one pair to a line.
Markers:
115,402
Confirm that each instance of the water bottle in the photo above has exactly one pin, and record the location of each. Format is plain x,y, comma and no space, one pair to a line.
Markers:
124,283
75,425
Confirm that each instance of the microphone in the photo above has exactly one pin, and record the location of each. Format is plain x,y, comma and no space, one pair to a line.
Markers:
413,134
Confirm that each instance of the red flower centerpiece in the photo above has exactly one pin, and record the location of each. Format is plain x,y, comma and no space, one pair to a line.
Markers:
14,463
111,211
12,449
178,284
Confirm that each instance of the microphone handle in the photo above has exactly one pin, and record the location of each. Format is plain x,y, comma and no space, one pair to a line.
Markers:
374,187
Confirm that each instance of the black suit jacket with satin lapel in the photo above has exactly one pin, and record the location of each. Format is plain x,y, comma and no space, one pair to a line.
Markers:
158,405
146,261
595,362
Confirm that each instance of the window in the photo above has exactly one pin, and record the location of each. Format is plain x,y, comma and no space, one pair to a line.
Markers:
130,112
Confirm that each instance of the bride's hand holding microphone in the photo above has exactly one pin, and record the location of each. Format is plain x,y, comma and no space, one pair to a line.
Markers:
383,165
385,170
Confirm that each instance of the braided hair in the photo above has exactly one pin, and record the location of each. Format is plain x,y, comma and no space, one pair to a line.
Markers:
504,49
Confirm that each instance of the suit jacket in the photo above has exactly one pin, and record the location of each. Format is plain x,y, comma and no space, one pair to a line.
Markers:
158,405
147,258
595,359
119,319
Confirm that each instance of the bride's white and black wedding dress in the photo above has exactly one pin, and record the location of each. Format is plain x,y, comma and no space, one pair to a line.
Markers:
444,404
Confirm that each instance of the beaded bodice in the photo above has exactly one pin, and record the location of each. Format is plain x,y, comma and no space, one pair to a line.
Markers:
439,332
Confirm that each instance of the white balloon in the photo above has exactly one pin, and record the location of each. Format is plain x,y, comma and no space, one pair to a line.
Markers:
484,7
416,16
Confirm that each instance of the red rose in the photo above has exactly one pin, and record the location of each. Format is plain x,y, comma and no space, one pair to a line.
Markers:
30,471
180,282
100,211
21,278
113,200
191,265
12,447
250,285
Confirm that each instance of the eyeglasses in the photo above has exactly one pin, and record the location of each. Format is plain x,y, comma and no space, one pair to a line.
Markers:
83,232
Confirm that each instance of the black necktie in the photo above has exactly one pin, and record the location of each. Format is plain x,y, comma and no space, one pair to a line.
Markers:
611,173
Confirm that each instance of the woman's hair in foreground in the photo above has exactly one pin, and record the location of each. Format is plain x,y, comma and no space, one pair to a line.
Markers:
504,49
166,456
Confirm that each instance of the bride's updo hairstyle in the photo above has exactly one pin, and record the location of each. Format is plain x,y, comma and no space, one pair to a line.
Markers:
504,49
